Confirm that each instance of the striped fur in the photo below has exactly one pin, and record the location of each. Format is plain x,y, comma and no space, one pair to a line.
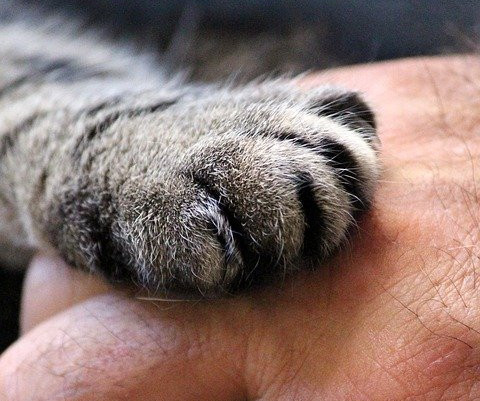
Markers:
175,187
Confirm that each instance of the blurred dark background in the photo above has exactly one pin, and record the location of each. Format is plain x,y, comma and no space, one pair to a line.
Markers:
215,39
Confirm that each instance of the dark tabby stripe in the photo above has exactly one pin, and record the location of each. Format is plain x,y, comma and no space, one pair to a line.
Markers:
258,267
235,226
32,75
9,139
58,70
351,110
92,111
314,216
341,160
101,126
99,247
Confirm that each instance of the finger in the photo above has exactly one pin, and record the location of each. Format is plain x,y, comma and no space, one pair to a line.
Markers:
51,286
109,348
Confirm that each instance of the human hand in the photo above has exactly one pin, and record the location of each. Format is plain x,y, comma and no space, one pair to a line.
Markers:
393,317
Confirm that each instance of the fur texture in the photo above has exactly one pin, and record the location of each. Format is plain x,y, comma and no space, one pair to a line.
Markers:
177,187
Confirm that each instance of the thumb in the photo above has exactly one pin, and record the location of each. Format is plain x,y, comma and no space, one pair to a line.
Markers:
110,347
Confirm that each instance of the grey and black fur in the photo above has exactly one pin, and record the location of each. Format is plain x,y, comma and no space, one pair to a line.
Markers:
176,187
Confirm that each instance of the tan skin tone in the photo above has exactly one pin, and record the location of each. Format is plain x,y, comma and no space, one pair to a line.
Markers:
394,317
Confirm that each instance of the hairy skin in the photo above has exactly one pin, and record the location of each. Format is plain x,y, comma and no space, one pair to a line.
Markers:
395,317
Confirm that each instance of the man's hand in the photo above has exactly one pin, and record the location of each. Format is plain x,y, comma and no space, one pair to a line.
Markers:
395,316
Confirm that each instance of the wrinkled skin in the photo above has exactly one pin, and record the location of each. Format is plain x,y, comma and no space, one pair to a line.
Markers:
394,317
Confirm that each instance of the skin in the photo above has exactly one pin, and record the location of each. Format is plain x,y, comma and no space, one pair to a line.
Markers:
395,316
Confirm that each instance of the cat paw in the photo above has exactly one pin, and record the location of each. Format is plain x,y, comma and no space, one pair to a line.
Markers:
261,186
